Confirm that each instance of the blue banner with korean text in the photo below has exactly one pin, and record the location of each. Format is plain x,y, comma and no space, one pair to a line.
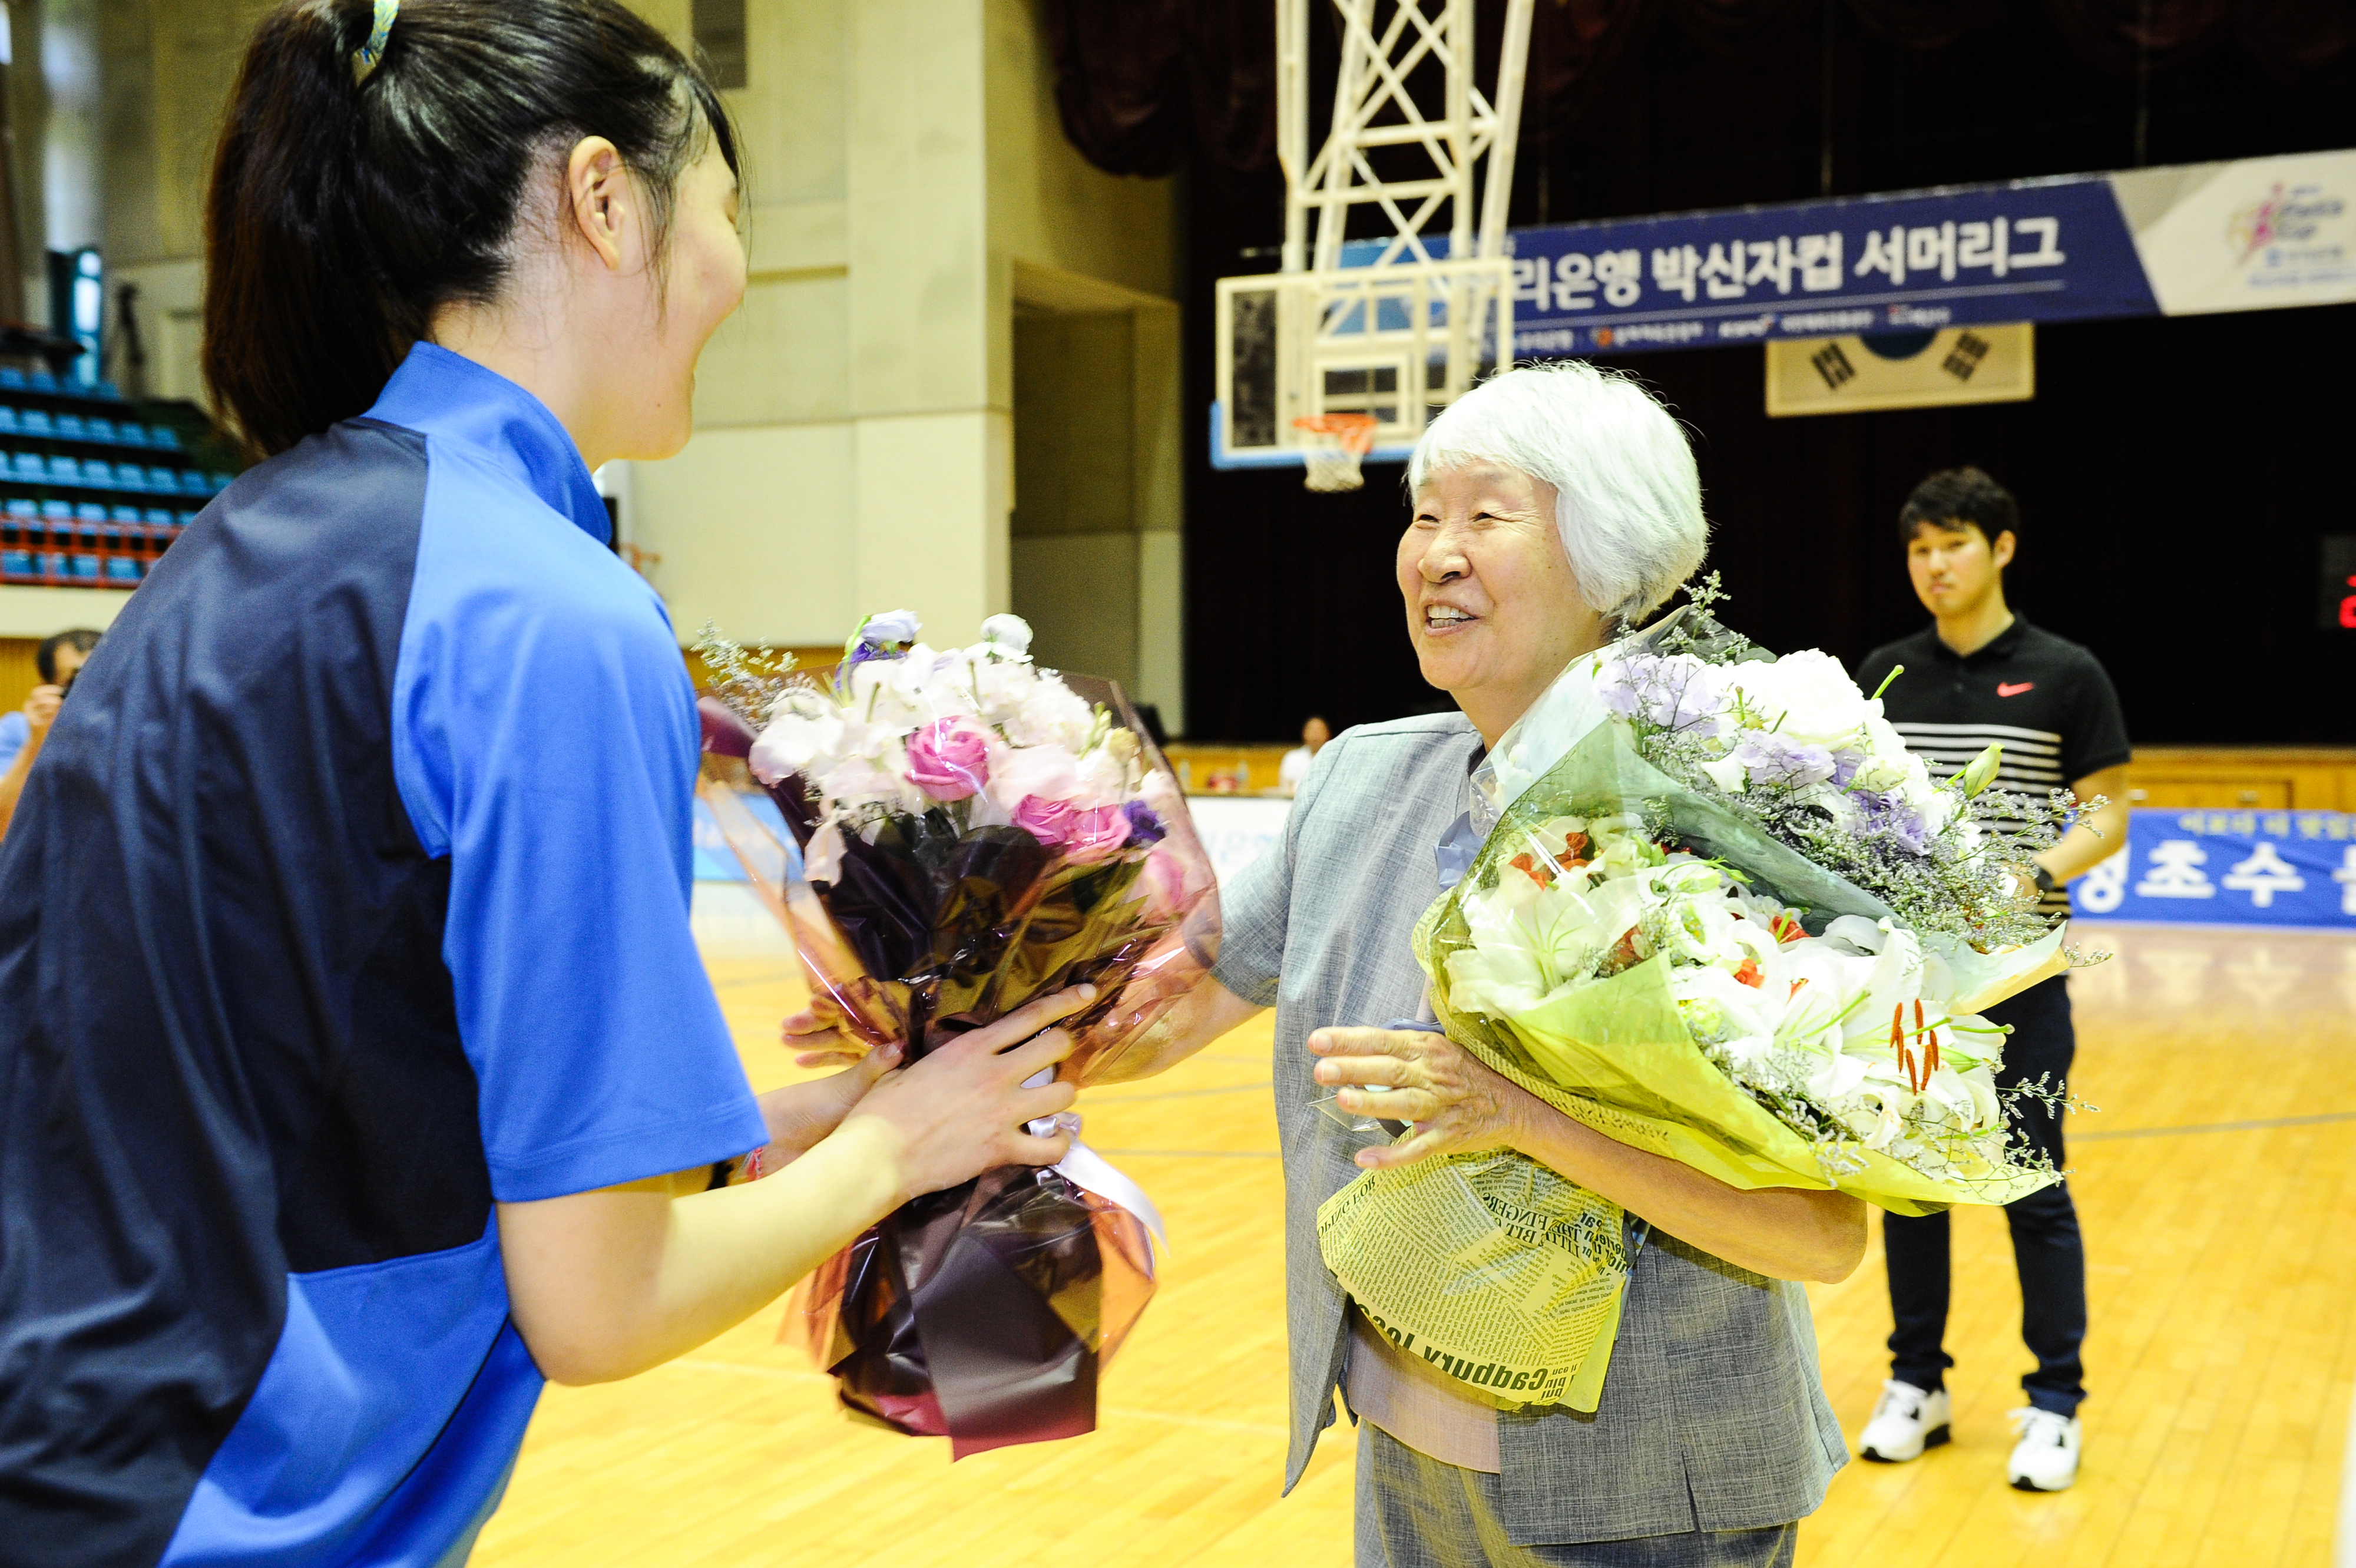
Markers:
2030,251
2237,867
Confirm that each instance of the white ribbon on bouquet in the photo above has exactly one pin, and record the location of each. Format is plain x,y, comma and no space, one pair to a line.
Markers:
1091,1172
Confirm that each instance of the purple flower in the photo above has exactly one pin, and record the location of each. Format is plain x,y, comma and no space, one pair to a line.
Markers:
1771,759
1144,827
1890,817
1672,693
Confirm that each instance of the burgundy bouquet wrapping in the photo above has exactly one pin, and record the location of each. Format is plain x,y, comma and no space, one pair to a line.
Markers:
974,832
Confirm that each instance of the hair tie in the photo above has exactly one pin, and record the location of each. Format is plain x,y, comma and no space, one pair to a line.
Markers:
365,58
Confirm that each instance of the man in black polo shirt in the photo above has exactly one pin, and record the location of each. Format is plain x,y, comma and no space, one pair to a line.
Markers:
1981,675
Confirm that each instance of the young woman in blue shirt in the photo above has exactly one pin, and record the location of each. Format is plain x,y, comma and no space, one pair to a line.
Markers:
357,1065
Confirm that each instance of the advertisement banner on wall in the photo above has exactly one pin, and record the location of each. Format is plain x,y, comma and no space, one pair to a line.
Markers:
2209,868
2252,234
1922,369
2030,251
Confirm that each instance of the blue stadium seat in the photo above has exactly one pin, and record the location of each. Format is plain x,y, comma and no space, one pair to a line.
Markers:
164,435
192,483
72,425
29,466
7,419
64,470
163,479
36,421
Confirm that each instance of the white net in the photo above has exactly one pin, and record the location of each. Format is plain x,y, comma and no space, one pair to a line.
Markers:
1334,468
1333,446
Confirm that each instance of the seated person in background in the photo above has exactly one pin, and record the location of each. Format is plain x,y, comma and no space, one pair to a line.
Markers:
61,658
1295,766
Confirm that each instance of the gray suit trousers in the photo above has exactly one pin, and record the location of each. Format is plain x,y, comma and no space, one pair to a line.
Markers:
1414,1511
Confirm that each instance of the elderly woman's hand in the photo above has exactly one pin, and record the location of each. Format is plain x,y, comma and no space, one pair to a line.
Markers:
1458,1105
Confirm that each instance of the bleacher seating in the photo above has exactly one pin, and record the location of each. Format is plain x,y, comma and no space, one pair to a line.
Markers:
81,475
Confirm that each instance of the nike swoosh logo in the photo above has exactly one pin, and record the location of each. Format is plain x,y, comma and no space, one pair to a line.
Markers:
2002,689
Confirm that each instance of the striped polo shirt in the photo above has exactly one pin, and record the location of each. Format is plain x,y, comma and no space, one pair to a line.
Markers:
2043,698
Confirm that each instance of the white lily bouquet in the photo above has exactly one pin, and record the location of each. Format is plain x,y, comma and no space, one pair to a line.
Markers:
1722,915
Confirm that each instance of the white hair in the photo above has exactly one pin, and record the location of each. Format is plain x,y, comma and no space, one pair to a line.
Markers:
1627,495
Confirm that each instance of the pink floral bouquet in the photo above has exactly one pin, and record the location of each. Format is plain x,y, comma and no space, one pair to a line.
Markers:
975,832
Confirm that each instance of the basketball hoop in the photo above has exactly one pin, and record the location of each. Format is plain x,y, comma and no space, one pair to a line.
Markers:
1337,442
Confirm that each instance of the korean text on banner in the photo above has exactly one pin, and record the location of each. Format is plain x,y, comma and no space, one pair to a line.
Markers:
2237,867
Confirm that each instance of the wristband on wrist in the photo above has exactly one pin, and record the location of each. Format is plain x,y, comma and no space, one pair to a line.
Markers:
2045,882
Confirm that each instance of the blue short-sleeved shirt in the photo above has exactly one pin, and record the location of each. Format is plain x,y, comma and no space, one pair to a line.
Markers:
351,898
16,734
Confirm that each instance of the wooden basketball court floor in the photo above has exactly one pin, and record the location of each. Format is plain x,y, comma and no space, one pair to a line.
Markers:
2217,1187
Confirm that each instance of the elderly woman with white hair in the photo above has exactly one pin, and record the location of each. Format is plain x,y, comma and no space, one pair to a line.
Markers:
1551,505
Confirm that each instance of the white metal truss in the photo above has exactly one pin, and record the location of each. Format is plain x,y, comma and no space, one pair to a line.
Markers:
1383,44
1414,330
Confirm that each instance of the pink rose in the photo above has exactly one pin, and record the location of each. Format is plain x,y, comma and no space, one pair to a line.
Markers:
1049,821
1088,835
1097,832
949,760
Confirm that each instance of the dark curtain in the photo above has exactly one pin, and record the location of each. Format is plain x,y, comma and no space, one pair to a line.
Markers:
1141,83
2174,475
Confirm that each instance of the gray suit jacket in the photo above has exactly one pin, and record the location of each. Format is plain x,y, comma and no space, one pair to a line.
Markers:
1713,1416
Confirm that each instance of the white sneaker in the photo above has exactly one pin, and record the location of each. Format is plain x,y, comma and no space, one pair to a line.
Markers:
2046,1457
1906,1421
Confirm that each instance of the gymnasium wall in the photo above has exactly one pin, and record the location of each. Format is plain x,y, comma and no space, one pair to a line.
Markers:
908,188
858,443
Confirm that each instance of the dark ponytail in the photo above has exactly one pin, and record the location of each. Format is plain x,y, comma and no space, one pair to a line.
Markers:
342,214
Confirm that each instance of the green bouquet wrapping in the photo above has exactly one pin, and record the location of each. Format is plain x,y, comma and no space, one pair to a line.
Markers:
1653,940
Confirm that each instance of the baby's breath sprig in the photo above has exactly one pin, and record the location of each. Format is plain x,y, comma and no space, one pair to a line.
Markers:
748,680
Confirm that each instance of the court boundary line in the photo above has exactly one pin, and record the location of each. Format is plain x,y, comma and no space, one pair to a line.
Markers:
2259,1125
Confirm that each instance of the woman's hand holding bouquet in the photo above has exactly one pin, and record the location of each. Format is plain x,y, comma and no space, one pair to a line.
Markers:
977,834
926,1108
